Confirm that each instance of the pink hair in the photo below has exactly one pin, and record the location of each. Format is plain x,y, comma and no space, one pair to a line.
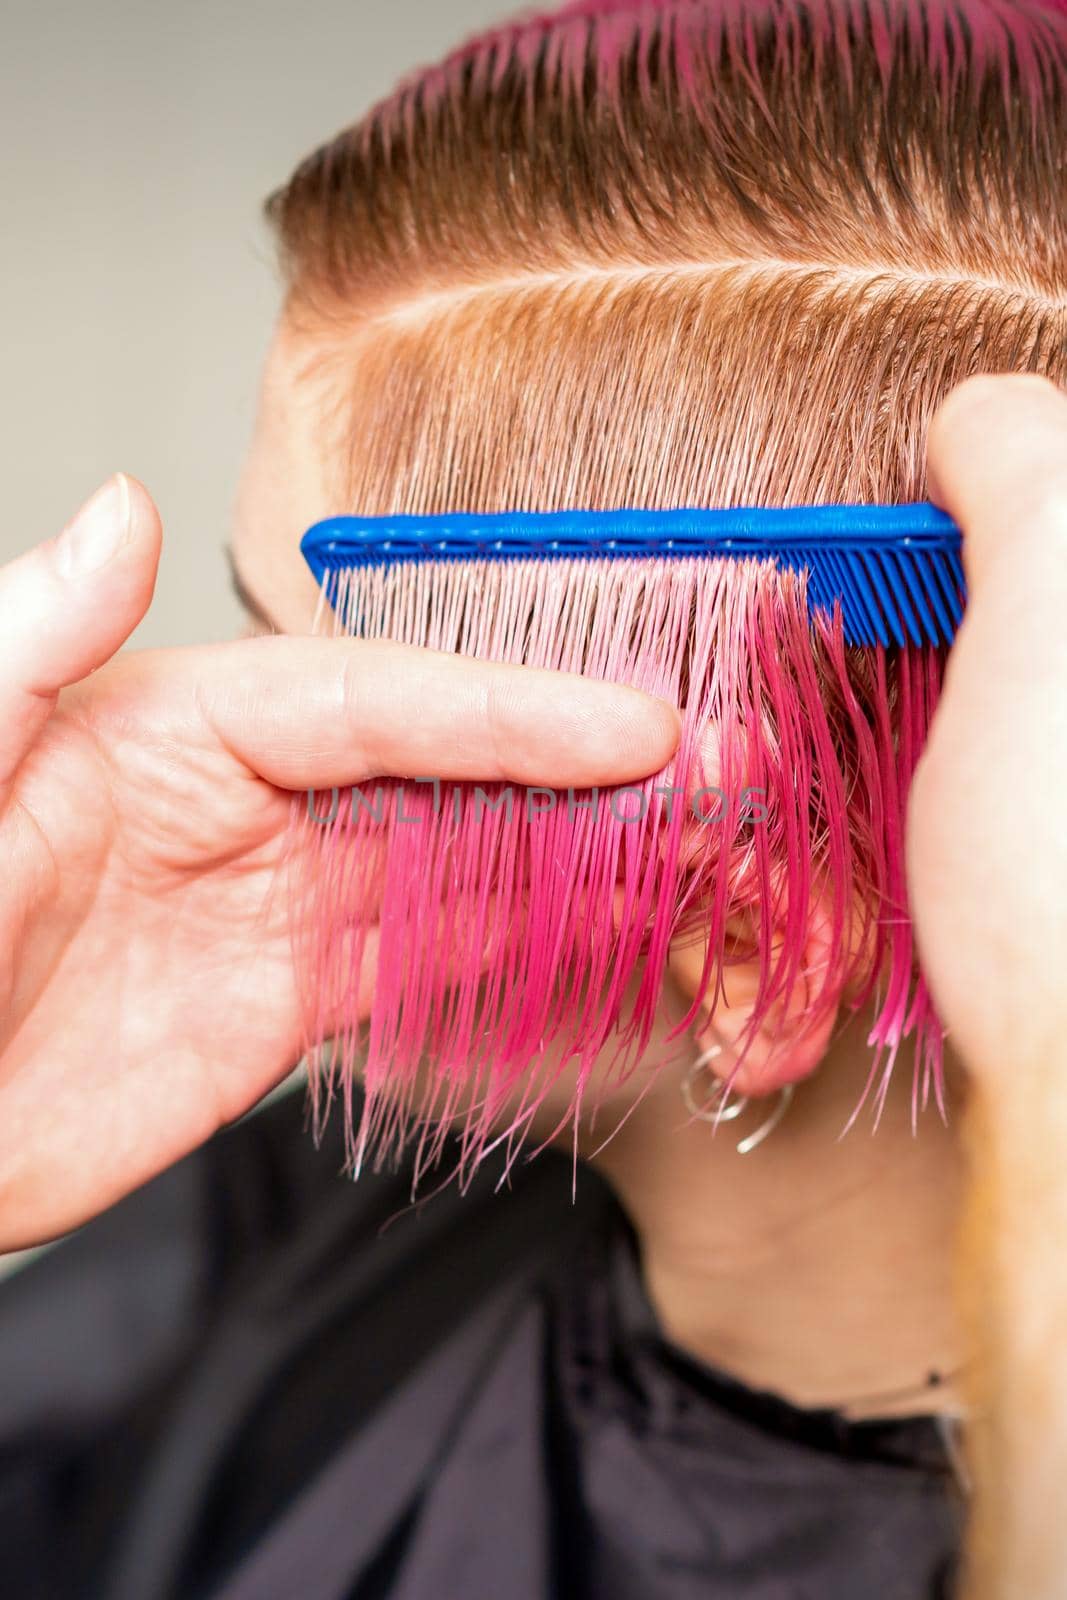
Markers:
508,947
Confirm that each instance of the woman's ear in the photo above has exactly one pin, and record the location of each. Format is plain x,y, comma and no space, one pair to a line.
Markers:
793,1034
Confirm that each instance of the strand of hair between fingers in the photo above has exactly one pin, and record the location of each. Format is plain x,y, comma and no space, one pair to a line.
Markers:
440,300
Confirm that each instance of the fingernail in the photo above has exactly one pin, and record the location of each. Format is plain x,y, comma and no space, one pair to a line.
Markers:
98,531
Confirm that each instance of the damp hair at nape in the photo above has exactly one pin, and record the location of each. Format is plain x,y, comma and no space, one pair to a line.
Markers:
731,252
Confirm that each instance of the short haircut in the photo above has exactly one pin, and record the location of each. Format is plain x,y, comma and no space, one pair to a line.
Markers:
700,252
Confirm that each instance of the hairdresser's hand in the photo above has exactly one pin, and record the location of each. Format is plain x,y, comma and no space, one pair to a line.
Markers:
987,849
147,992
987,838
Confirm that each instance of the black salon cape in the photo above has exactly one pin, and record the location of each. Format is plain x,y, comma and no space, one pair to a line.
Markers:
240,1383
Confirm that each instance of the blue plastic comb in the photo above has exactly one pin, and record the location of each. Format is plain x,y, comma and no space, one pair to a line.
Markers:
896,570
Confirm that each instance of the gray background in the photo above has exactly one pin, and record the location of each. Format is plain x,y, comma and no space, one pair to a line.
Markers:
137,142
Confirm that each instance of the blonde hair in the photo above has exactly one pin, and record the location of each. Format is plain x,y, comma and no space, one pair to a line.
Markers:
702,251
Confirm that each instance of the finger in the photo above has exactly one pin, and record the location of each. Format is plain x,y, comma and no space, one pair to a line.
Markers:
67,605
997,460
987,855
310,712
998,463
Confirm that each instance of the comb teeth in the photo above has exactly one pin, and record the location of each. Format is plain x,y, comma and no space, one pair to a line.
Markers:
895,571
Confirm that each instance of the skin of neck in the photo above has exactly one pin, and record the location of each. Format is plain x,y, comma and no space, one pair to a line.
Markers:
819,1266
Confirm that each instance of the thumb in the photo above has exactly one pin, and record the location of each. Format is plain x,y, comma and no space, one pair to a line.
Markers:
67,605
997,461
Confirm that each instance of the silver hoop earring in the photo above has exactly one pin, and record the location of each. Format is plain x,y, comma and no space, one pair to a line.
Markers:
721,1108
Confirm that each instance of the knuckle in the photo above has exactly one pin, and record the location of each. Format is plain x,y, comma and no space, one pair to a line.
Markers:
497,719
352,693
